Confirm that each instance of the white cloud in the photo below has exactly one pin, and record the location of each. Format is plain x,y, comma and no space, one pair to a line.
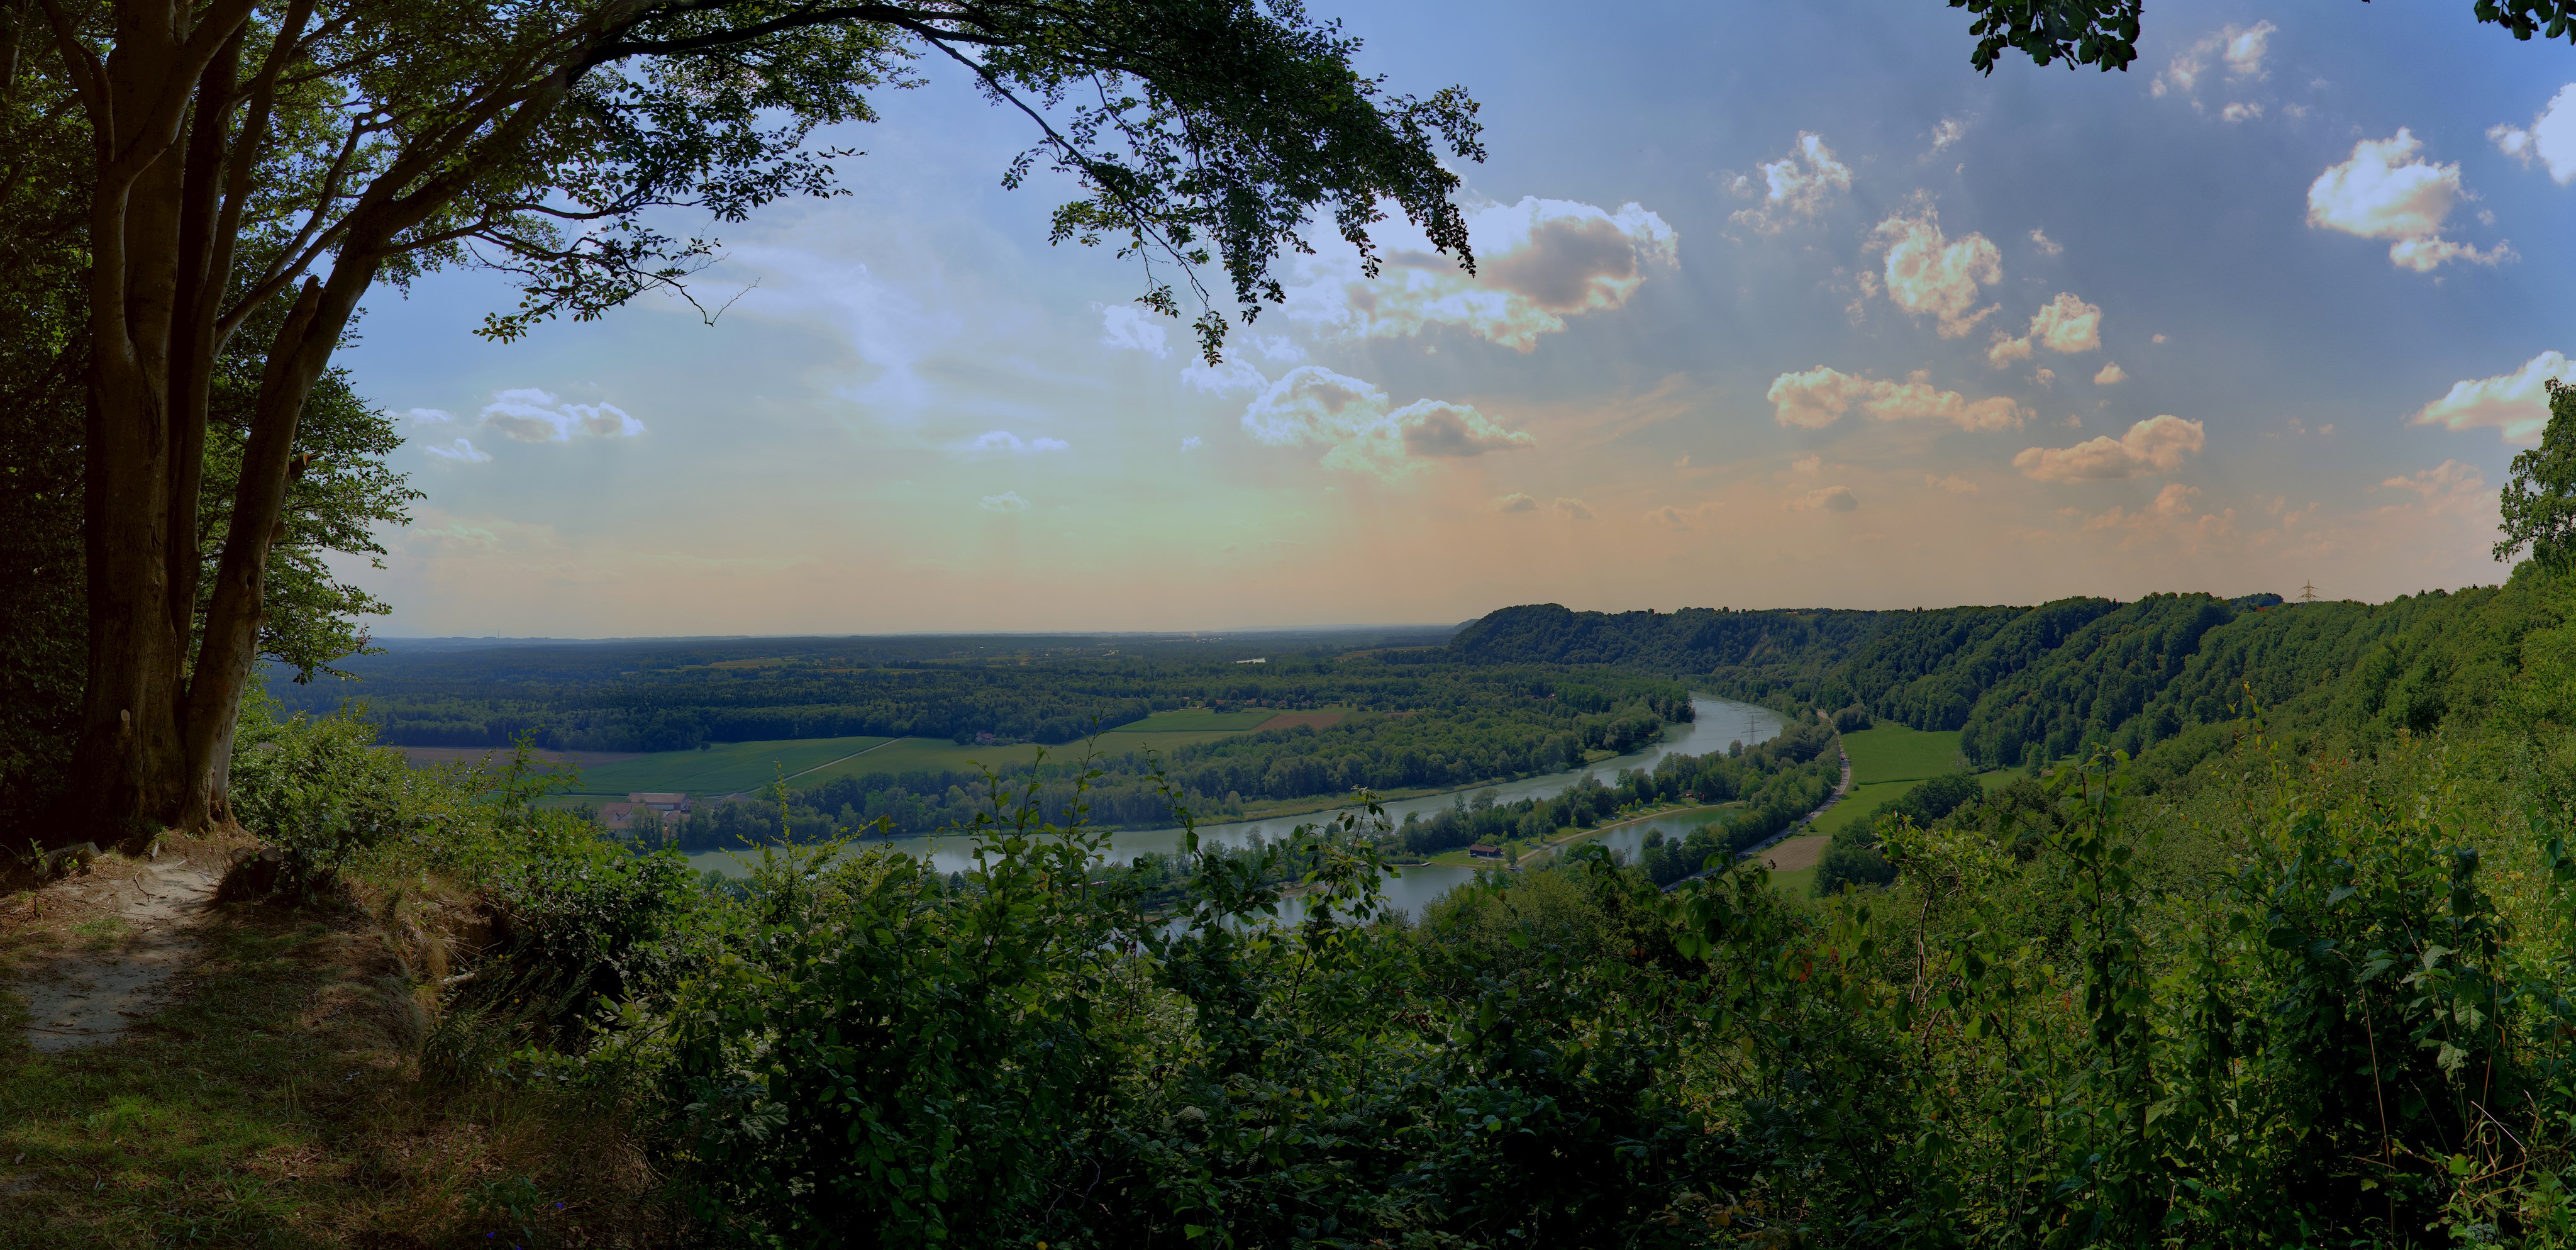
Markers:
2044,376
1817,397
2245,47
2383,192
2154,445
1573,509
1191,443
1537,263
1828,499
1003,441
1796,185
2240,49
429,414
2449,488
2110,375
1515,502
2551,140
1313,405
1952,483
1132,329
1229,376
2515,405
2240,112
529,415
1007,501
2160,338
1928,273
2046,245
2068,325
1949,131
459,450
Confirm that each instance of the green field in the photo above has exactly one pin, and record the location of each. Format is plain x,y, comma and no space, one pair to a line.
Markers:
723,769
1860,802
1896,753
1197,719
1889,760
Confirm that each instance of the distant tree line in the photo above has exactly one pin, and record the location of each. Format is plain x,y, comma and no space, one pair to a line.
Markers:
565,699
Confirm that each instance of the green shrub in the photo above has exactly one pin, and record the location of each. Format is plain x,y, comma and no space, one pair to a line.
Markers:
317,790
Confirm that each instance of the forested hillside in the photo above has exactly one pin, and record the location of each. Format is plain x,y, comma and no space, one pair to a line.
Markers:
2039,683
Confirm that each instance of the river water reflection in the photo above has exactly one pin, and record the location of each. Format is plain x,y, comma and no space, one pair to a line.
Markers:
1716,723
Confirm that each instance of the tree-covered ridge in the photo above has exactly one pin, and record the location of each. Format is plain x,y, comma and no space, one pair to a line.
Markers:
2041,683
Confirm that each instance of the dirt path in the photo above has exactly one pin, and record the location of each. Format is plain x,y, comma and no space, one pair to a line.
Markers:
131,926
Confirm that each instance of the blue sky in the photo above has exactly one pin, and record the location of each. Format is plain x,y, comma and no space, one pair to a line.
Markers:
1780,305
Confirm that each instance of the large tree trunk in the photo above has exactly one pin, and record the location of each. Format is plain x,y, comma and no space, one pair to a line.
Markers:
152,290
230,649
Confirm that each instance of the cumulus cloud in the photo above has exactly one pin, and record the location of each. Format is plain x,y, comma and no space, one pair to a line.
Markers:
2383,192
1796,185
2238,49
2110,375
458,450
1572,509
2240,112
1004,442
1191,443
1927,272
1315,406
1132,329
2066,325
1826,499
2515,405
1538,262
1949,131
1820,396
1007,501
2155,445
2447,489
2046,245
1515,502
432,415
2550,139
529,415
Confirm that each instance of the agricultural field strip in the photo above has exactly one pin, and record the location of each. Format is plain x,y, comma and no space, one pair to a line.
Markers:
722,770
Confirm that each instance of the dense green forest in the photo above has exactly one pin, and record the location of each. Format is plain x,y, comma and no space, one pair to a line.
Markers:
2038,684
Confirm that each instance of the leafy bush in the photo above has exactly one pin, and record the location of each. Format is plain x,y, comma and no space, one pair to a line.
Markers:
318,790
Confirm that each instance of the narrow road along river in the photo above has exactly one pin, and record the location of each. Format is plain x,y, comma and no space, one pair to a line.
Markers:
1717,722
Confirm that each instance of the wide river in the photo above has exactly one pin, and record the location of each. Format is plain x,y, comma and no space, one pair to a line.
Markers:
1716,723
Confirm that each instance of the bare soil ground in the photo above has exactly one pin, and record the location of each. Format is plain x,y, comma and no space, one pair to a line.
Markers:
1795,854
134,927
